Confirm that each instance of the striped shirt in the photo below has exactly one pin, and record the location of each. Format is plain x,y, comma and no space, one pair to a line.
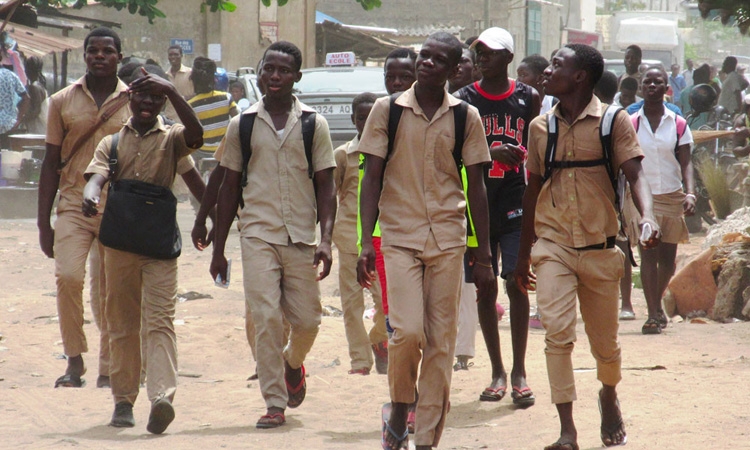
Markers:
212,108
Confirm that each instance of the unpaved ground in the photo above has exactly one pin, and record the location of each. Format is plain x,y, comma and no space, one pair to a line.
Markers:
699,400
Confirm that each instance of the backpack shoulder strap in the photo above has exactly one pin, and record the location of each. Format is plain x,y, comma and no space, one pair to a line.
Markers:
606,127
394,117
549,154
635,119
113,155
681,125
246,130
308,133
460,112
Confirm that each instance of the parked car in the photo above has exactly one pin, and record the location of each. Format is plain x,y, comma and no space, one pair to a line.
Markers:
330,91
248,78
617,66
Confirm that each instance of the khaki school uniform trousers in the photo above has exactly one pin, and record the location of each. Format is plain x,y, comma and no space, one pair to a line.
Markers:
468,317
75,235
423,292
593,276
141,285
353,306
279,282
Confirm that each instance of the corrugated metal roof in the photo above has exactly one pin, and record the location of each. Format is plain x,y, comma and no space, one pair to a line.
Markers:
34,42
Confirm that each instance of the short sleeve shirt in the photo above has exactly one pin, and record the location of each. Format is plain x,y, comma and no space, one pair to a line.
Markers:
182,82
729,88
279,198
10,86
575,207
72,112
151,157
660,164
346,176
422,190
212,109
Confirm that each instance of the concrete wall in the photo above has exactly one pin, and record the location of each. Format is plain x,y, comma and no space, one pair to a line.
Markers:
237,32
469,14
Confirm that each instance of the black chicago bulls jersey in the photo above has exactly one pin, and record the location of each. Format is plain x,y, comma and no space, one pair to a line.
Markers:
506,118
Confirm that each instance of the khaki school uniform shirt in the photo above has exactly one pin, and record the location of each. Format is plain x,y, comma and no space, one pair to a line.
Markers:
280,204
576,207
346,175
181,81
151,158
184,86
422,189
72,112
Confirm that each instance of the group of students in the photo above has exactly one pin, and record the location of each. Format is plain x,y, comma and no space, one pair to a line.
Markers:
423,163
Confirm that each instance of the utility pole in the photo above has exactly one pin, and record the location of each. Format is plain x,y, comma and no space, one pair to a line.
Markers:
486,14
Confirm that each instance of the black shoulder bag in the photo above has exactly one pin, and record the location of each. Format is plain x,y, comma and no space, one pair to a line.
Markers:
139,217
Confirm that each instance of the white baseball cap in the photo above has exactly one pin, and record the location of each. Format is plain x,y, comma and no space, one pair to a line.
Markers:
496,39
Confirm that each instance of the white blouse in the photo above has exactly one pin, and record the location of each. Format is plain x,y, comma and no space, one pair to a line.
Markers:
660,164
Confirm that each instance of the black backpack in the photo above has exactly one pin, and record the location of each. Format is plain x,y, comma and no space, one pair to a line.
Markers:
247,121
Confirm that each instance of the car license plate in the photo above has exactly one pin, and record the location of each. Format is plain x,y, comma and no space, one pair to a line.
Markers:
327,110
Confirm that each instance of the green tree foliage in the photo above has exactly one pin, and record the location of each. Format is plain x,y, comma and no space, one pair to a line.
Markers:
145,8
735,12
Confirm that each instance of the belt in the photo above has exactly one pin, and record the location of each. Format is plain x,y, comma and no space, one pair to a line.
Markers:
609,243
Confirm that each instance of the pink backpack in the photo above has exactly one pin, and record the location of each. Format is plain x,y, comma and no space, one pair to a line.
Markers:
681,126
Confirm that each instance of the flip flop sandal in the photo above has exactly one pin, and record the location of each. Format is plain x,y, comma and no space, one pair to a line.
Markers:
296,393
493,394
402,442
663,319
562,445
411,421
608,432
652,326
70,380
626,315
274,420
521,399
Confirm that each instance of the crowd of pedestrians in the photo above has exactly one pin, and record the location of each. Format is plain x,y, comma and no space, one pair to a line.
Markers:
460,175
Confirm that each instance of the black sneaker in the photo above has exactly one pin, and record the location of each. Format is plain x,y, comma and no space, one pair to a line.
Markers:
162,414
123,416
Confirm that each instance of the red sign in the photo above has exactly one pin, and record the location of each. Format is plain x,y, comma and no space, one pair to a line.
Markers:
583,37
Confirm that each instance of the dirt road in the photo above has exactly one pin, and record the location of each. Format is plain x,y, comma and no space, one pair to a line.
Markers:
684,389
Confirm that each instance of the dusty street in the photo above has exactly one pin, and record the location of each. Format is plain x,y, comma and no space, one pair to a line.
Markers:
684,389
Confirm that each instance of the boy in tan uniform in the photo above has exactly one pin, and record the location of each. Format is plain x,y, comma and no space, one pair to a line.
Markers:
345,237
573,217
279,251
72,113
423,231
148,151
